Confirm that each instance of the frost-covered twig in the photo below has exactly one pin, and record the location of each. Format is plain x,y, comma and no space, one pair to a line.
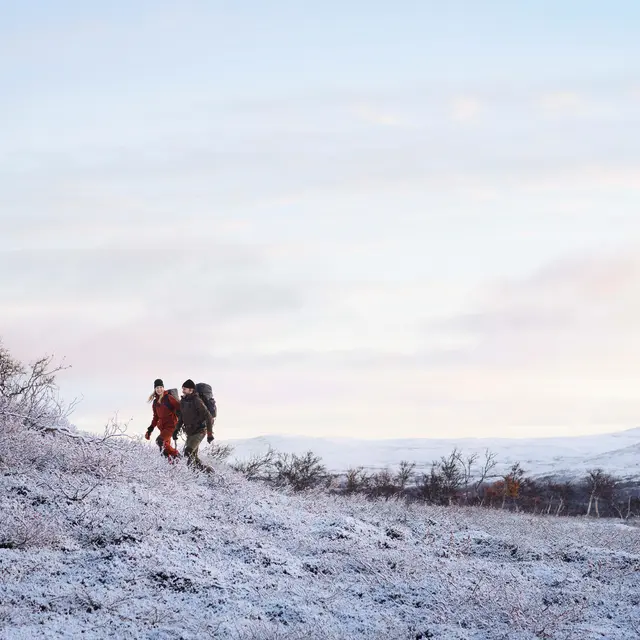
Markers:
64,431
71,489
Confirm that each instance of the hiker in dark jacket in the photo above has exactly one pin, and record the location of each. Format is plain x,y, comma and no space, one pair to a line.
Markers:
195,418
165,417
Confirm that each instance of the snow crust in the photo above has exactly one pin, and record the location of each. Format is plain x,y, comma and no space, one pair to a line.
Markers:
158,551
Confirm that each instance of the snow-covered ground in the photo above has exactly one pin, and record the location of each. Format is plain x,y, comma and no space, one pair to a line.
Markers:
617,453
109,541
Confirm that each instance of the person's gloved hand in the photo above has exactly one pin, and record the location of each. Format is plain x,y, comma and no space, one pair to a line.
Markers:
210,438
147,435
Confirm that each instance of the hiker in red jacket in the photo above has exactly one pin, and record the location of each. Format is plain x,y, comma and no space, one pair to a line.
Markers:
165,417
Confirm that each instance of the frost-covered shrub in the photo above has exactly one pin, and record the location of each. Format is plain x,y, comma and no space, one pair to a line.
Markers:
219,452
23,526
258,466
29,393
300,472
356,480
286,470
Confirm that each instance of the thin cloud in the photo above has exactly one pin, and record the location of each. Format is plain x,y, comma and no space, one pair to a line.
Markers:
568,311
563,103
377,116
466,109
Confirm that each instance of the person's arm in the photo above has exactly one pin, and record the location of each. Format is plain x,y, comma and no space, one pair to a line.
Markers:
176,431
154,422
205,416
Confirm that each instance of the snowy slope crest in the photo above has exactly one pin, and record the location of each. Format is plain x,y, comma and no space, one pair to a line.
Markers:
106,540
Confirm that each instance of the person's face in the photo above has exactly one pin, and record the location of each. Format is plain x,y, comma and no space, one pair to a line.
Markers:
160,390
187,391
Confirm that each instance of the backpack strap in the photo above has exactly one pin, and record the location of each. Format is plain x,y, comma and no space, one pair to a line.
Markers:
165,401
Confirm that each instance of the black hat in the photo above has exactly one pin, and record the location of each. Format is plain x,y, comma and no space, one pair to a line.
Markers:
158,383
189,384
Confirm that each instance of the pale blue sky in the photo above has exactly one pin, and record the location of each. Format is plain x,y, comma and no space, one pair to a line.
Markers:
378,219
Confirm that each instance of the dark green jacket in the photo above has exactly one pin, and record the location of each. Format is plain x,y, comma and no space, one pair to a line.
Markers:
194,415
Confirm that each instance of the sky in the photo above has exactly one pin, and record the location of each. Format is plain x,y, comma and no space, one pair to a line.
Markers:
362,219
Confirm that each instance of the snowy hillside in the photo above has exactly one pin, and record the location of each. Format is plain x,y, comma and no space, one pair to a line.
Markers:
106,540
617,453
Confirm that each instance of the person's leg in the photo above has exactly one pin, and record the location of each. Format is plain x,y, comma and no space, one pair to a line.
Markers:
191,448
167,448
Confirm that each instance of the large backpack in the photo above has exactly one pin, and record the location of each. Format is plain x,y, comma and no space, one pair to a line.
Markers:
204,391
165,400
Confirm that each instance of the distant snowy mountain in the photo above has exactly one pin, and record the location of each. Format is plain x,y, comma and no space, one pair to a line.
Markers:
617,453
626,459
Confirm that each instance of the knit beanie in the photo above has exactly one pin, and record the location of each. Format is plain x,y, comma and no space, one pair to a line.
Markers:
189,384
158,383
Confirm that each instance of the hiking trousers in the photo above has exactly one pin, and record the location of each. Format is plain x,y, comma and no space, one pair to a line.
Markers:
191,450
164,443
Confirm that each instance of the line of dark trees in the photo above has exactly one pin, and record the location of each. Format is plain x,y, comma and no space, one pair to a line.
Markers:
459,480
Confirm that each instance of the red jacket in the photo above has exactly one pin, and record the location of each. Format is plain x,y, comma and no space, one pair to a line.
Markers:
165,410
